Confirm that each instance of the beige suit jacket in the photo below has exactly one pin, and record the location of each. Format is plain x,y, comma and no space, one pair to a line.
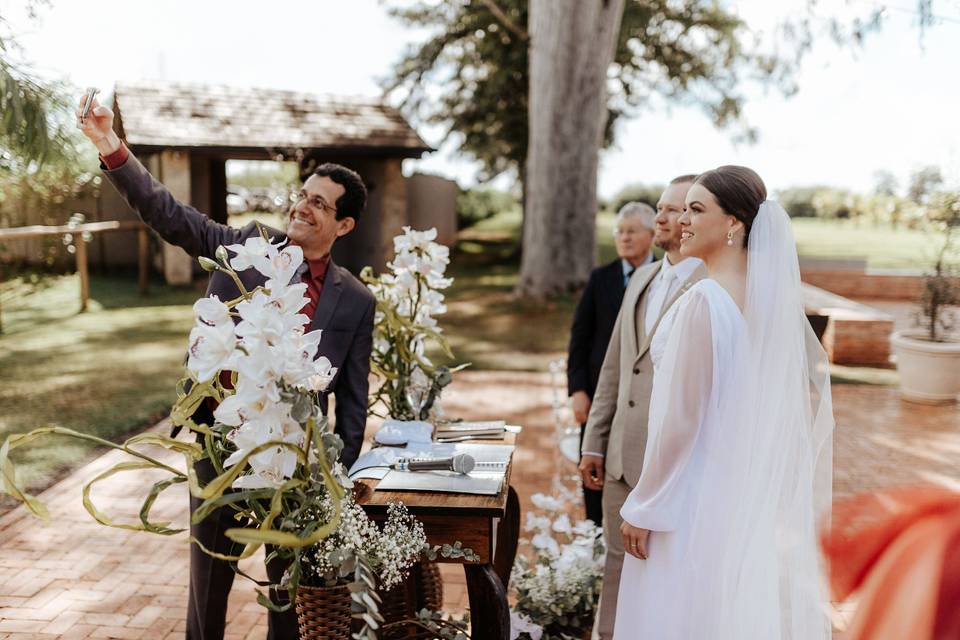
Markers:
617,425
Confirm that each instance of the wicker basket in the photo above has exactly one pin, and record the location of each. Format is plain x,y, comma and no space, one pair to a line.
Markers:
423,590
324,613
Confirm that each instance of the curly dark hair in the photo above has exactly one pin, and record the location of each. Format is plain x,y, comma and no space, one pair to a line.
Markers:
354,197
739,191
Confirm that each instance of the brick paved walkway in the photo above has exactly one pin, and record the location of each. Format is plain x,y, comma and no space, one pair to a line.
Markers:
77,579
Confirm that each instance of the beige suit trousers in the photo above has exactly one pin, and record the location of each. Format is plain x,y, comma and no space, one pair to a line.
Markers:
615,493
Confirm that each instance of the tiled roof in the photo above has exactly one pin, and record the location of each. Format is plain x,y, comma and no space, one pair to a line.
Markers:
190,115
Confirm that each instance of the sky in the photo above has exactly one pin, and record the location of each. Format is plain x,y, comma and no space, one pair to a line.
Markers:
888,105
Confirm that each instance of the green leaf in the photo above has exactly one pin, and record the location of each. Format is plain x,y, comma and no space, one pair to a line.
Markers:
155,491
98,515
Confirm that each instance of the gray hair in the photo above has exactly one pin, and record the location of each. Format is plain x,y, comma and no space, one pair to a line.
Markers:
638,209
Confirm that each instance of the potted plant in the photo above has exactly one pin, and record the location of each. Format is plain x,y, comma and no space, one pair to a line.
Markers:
357,553
928,357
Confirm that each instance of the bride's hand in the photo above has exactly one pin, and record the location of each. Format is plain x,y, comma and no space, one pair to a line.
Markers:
635,540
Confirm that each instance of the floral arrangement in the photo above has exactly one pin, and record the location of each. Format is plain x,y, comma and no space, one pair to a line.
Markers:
269,444
389,551
408,299
558,584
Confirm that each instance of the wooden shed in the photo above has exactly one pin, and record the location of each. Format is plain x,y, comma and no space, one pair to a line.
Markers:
185,133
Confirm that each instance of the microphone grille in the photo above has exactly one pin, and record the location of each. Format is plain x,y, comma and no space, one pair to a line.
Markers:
463,463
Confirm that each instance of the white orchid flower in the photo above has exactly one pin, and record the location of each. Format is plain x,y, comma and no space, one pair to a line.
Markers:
211,348
245,254
405,261
273,423
298,352
288,298
260,318
323,374
279,265
211,311
439,253
231,411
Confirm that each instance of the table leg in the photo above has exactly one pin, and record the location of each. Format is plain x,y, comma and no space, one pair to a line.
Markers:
508,535
489,610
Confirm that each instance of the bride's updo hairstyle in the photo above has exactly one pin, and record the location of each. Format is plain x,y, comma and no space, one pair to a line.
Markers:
739,192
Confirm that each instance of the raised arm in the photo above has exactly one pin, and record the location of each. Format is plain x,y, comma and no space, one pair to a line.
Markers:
683,391
177,223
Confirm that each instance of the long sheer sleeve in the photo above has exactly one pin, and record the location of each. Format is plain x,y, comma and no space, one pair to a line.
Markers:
683,389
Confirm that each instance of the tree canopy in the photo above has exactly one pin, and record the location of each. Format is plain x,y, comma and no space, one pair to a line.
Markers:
471,75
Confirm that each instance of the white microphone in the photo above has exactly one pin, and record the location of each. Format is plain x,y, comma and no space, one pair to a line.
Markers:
462,463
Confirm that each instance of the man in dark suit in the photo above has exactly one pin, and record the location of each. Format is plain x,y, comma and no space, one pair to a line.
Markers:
328,206
597,313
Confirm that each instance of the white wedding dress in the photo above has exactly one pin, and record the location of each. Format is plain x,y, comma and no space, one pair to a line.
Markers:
736,469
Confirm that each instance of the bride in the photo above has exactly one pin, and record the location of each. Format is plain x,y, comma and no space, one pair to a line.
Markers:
720,530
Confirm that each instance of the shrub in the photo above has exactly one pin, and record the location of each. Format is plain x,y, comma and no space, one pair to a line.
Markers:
475,205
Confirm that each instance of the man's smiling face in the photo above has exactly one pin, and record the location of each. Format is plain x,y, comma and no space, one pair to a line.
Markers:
313,223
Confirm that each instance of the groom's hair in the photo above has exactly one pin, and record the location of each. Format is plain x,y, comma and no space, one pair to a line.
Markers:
739,191
354,197
687,177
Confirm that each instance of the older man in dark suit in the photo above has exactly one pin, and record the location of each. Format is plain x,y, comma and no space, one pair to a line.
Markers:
597,313
328,206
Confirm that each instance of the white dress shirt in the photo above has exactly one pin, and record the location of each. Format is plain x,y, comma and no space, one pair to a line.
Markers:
664,285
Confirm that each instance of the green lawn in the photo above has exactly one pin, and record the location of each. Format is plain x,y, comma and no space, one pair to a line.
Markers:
109,371
883,247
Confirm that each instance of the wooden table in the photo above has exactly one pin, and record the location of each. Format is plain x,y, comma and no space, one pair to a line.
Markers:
490,525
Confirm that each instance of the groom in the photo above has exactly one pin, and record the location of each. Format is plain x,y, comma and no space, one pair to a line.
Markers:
616,433
328,207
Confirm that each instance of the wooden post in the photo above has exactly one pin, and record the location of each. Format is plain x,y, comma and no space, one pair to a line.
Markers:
82,270
143,260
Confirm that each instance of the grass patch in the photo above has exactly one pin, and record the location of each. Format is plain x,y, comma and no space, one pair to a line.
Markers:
882,246
108,372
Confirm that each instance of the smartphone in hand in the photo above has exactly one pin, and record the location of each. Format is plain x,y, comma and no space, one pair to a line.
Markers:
88,102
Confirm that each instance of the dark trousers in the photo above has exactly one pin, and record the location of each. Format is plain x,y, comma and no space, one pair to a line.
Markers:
592,499
211,579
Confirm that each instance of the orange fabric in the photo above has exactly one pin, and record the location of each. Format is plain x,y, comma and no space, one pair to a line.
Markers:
900,551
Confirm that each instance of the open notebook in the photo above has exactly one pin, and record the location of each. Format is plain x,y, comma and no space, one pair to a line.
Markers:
486,479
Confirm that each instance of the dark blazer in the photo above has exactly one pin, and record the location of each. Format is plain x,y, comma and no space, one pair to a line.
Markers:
592,327
344,312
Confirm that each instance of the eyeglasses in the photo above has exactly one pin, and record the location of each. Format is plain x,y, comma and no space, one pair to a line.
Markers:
314,202
625,233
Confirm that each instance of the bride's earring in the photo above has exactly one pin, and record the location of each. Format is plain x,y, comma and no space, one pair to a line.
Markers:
730,238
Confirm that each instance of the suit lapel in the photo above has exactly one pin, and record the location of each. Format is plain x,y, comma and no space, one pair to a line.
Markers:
638,285
329,296
699,274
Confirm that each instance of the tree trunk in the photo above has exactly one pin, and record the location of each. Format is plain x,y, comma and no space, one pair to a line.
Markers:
571,46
